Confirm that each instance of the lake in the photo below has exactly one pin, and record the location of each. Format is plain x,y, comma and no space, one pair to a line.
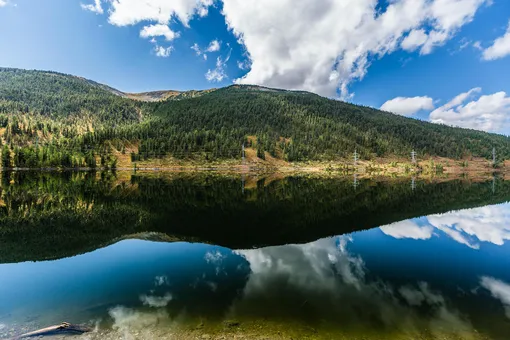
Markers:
239,256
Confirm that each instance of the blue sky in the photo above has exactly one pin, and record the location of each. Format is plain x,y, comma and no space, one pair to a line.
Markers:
411,57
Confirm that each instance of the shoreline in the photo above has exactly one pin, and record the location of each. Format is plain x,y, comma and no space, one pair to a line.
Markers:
432,167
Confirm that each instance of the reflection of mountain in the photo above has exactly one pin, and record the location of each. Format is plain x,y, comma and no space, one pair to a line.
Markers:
468,227
46,216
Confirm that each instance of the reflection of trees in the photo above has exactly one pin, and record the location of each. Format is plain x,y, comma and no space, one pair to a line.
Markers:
48,215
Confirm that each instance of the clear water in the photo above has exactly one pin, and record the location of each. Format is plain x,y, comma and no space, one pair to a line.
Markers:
443,275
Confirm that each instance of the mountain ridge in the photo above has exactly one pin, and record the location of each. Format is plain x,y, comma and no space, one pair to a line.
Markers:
84,123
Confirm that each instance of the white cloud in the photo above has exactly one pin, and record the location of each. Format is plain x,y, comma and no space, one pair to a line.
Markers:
488,113
287,52
163,51
414,40
158,30
500,48
196,48
478,45
408,106
243,65
214,46
95,7
408,229
131,12
218,74
4,3
499,290
162,12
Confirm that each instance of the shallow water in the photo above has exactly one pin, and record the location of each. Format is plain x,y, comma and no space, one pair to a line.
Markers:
423,261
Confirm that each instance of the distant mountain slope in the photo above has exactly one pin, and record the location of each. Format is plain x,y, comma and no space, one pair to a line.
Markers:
60,95
300,126
155,96
39,108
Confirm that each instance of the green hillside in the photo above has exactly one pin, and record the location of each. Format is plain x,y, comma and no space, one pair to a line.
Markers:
50,119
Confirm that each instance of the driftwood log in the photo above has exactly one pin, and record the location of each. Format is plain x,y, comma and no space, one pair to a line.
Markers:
63,328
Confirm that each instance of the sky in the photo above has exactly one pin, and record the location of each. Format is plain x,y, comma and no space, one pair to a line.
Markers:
445,61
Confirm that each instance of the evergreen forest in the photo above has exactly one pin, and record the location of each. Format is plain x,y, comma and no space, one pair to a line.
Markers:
53,120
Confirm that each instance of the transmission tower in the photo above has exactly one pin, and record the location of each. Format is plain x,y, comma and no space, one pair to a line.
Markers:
413,156
494,156
355,181
413,183
356,157
243,154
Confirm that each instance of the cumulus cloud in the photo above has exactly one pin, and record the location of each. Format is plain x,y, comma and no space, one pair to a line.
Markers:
159,12
488,112
499,290
95,7
131,12
287,52
158,31
408,106
408,229
163,52
415,39
214,46
500,48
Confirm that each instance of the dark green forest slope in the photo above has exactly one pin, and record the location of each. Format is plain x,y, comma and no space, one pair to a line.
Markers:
49,119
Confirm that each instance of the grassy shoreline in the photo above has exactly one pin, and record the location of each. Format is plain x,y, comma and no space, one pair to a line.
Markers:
392,167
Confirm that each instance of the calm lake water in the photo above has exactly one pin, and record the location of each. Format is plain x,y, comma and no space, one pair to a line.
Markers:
176,256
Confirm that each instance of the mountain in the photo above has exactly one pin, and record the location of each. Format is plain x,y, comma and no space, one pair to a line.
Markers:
53,119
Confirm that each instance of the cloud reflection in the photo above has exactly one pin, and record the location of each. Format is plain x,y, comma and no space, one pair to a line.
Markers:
324,281
499,290
468,227
408,229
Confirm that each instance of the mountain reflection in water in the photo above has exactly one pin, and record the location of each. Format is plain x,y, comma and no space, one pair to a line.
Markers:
439,276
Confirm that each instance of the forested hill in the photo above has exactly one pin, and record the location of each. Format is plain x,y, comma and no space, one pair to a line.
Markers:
53,119
302,126
58,95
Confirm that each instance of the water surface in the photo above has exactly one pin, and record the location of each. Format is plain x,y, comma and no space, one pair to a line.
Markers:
178,256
